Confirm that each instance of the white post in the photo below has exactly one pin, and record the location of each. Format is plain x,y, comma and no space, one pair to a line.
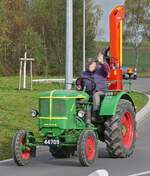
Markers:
83,35
24,70
20,75
31,72
69,44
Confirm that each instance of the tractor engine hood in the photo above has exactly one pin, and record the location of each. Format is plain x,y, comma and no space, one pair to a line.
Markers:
57,110
65,94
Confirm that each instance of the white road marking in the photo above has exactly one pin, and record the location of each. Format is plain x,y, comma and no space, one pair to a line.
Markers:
99,173
7,160
139,174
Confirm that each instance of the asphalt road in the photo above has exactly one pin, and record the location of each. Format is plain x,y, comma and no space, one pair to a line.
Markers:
142,84
45,165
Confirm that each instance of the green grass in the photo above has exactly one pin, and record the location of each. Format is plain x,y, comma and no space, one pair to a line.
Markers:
139,99
143,67
145,73
15,108
129,59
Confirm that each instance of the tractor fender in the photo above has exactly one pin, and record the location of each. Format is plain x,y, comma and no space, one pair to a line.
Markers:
109,103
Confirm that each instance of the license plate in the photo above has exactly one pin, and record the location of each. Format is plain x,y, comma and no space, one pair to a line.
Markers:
51,142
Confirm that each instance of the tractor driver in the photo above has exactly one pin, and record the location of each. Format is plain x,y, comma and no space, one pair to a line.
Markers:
98,71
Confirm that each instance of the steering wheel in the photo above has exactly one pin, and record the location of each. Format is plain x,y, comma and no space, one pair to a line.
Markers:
80,84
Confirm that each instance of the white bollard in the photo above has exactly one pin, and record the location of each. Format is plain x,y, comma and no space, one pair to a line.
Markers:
24,70
99,173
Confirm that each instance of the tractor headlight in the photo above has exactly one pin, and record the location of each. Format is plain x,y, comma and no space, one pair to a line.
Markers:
81,113
34,113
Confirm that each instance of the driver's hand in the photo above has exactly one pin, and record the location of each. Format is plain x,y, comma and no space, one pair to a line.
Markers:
100,58
79,87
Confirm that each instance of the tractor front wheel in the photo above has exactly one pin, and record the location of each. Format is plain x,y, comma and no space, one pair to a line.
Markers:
120,131
87,147
21,153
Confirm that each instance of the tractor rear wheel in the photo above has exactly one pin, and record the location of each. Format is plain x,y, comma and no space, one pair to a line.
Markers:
60,152
87,147
120,131
21,153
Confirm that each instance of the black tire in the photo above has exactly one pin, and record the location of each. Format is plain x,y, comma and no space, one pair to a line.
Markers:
18,155
120,140
83,148
60,152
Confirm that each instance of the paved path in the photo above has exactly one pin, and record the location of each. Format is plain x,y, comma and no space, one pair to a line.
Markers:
142,84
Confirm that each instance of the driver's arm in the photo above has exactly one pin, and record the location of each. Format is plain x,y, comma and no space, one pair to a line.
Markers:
103,66
105,69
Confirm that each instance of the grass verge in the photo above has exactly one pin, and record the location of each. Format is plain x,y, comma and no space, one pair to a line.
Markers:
15,108
139,99
144,74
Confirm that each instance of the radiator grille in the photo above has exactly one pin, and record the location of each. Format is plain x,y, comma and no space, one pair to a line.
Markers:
58,108
44,107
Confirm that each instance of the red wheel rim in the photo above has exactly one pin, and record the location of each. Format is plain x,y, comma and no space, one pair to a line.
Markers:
25,154
90,148
127,129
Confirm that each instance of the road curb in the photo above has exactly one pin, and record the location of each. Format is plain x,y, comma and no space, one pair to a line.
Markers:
141,115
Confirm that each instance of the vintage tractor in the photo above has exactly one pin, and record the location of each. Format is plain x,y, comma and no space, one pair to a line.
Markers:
65,116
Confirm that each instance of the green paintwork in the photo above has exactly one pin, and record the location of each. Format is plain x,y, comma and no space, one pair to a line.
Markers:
110,102
57,111
65,93
22,148
58,117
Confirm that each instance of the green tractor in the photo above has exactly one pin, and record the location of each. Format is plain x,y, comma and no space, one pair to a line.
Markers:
65,117
66,124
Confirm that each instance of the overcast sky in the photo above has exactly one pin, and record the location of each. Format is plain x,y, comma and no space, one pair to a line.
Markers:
107,6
